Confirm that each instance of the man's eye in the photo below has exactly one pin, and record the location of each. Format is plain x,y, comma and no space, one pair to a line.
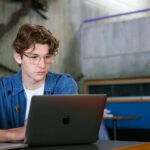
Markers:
34,57
48,56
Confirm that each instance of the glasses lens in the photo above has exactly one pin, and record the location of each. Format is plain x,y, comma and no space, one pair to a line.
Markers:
47,59
35,59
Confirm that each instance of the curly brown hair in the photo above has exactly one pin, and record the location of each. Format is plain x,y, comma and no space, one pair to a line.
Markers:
28,35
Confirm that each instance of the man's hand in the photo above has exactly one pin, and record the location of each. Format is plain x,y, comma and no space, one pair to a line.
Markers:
12,135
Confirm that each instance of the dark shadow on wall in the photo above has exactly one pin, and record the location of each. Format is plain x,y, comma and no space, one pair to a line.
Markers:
39,6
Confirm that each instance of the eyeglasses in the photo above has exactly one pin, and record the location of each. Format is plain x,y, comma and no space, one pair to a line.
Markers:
35,59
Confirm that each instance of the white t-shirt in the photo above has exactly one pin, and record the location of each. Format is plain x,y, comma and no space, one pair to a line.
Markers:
29,94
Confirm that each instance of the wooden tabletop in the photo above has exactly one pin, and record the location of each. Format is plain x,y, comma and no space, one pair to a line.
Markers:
120,117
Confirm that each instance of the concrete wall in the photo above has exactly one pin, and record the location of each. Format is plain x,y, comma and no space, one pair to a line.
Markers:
115,49
108,49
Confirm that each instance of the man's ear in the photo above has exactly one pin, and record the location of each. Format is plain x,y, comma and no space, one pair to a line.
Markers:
17,57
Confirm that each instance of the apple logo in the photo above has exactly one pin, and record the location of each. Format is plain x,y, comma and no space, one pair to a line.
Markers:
66,120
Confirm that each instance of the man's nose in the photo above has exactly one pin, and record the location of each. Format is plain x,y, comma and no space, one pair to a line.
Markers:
42,63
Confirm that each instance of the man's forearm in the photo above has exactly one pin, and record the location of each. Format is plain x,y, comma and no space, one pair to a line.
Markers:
12,135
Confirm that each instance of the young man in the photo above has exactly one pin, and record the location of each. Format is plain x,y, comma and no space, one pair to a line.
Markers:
34,48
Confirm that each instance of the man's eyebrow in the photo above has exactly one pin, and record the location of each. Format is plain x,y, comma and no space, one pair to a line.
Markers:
32,54
38,54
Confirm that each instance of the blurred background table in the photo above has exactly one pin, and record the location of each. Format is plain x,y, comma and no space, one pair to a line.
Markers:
115,119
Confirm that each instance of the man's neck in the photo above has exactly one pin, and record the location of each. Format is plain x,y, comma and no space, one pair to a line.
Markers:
32,85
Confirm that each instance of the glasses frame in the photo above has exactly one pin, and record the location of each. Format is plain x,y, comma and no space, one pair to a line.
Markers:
35,58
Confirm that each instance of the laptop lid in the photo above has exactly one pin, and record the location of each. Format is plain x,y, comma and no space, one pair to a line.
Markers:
64,119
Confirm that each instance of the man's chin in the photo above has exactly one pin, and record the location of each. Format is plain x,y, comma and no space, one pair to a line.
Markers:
39,78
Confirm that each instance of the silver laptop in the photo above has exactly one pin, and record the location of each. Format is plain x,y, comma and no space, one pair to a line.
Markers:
64,119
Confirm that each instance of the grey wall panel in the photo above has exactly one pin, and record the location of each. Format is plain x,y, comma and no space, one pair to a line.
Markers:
116,50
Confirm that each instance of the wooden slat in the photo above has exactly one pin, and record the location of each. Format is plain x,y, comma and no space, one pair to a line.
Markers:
112,81
137,99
